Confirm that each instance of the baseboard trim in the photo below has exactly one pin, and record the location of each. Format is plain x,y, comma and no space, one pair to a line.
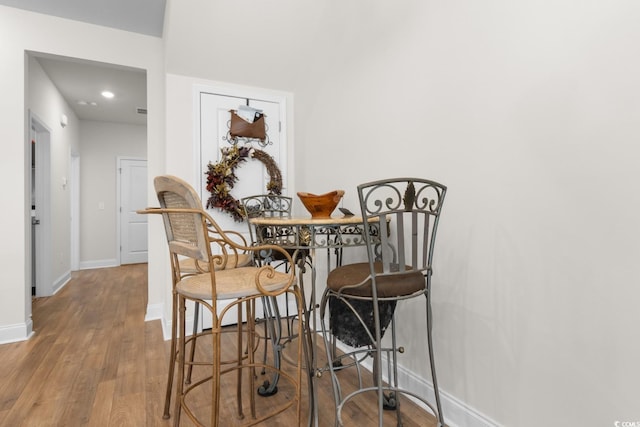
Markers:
456,412
61,282
101,263
16,333
166,328
154,312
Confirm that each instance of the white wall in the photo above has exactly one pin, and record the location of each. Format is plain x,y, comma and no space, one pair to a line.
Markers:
101,143
528,111
21,31
256,50
48,105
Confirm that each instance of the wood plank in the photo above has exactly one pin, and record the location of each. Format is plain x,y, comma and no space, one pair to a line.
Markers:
94,361
128,411
102,404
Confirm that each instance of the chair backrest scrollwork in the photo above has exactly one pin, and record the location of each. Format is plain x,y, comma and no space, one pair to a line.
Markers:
413,206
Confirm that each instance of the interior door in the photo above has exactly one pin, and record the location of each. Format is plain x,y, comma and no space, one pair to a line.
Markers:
35,220
252,175
133,196
42,247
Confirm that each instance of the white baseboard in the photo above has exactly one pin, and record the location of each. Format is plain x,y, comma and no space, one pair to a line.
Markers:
154,312
61,282
24,331
166,328
456,413
101,263
17,332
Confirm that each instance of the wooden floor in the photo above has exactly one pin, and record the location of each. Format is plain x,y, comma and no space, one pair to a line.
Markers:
94,361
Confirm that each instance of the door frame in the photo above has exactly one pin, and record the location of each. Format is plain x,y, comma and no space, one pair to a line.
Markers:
118,212
42,197
75,212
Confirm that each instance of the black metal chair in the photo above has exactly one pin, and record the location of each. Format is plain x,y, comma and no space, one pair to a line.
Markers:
362,297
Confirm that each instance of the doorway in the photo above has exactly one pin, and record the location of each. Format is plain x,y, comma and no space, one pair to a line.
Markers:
75,212
66,107
132,196
40,142
213,123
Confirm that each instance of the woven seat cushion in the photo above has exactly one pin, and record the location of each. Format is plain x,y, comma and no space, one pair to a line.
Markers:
388,286
188,265
230,284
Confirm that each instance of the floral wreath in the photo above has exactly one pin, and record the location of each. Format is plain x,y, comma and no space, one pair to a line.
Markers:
221,177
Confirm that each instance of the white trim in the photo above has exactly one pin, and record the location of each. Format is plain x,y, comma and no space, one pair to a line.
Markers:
103,263
166,327
16,333
44,245
158,310
61,281
75,212
456,412
154,312
118,213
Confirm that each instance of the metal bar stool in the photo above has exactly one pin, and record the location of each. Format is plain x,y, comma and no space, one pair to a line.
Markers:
362,297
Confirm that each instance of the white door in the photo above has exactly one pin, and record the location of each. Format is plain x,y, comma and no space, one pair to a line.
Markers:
252,174
133,196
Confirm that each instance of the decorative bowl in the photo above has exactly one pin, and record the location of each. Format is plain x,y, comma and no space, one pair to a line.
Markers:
321,205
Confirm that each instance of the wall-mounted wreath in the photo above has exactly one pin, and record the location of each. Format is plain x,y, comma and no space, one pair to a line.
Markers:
221,177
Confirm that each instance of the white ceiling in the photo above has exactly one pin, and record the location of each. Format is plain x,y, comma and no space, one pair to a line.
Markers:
80,80
138,16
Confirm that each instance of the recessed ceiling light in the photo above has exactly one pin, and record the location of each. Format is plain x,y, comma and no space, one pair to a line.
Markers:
107,94
93,103
81,102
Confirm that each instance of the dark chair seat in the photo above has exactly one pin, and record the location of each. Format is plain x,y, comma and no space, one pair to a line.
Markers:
393,285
